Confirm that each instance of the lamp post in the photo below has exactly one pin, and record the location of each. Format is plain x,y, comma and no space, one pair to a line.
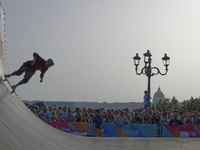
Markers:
148,70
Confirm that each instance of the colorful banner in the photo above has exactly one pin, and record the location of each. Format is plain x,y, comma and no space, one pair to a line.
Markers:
130,130
175,131
70,127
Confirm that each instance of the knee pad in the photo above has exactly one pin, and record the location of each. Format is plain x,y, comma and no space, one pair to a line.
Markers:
25,80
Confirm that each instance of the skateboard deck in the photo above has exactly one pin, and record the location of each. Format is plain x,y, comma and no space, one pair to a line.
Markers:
6,79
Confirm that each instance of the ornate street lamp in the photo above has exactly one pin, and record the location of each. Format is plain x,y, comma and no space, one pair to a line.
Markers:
136,60
148,70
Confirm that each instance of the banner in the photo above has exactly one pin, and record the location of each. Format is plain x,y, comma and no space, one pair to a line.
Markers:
130,130
70,127
175,131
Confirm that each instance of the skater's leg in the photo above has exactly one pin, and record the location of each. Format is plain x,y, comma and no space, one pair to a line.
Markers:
18,72
27,76
16,85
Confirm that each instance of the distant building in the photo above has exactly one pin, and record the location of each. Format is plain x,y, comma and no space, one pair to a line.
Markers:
158,96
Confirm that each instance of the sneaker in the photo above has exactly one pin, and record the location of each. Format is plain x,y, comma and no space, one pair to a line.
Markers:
7,75
14,87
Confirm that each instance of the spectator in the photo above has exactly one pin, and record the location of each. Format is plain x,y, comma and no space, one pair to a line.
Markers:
59,110
53,106
112,111
147,110
84,110
50,110
157,118
162,118
179,115
85,118
36,110
182,119
153,109
98,123
54,116
160,110
136,119
64,113
109,117
151,117
78,117
167,118
175,121
56,110
121,119
126,112
61,118
44,115
193,117
141,110
91,131
104,114
70,117
197,119
91,111
115,115
145,118
188,120
77,110
102,109
146,99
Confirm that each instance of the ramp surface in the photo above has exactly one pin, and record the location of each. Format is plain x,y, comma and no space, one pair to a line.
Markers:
21,129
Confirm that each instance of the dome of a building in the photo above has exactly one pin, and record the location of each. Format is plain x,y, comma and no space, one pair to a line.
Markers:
158,96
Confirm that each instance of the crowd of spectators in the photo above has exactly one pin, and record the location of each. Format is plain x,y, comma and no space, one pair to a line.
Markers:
120,117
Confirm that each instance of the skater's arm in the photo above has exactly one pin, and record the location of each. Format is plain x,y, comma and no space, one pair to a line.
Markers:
41,77
42,74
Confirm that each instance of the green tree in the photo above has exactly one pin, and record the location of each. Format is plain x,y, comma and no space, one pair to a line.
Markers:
191,105
167,104
174,104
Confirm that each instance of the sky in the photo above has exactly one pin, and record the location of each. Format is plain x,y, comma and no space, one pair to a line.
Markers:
93,42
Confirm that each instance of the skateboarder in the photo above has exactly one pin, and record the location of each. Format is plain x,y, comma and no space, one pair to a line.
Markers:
30,67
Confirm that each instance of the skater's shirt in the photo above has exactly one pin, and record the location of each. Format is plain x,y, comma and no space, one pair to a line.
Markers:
39,64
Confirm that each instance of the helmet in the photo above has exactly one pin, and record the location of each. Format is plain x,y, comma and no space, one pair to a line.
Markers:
49,62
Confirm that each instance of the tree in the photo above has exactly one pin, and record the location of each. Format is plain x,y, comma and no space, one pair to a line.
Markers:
174,104
167,104
191,105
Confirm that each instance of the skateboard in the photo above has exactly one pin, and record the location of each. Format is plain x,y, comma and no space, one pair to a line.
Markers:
6,79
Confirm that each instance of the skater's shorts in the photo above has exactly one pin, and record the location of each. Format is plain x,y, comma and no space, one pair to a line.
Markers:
28,73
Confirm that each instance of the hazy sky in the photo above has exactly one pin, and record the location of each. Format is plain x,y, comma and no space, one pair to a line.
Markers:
93,41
